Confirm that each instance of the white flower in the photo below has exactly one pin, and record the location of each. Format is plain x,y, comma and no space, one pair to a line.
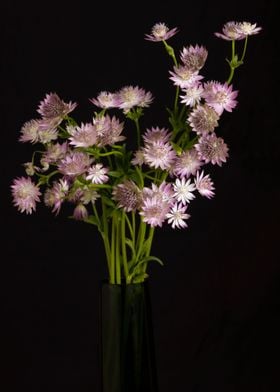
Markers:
98,174
183,190
177,216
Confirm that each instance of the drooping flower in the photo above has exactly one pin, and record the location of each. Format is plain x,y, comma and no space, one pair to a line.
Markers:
98,174
177,216
193,95
83,136
139,158
29,131
212,149
130,96
157,135
204,185
127,195
55,196
52,107
159,154
203,119
220,97
80,212
105,100
188,163
160,32
183,190
248,28
194,57
74,164
231,32
184,77
25,194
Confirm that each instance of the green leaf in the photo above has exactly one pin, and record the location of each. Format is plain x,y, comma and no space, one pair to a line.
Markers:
92,220
150,258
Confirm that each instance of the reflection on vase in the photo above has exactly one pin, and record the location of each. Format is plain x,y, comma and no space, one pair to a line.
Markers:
127,346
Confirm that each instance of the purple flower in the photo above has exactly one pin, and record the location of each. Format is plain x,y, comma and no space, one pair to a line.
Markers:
184,77
183,190
25,194
212,149
111,132
29,131
83,136
55,152
194,57
203,119
52,107
231,32
220,97
154,211
160,32
98,174
105,100
129,97
177,216
127,195
159,154
204,185
139,158
74,164
187,163
55,196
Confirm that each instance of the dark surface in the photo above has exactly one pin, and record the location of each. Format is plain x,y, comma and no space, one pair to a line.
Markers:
216,301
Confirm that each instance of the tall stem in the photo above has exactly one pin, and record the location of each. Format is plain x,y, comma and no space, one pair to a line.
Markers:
117,248
105,236
112,261
123,238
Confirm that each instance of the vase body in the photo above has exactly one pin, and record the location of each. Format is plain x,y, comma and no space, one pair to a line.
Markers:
127,345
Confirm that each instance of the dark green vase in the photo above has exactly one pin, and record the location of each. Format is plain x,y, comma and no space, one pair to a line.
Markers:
127,345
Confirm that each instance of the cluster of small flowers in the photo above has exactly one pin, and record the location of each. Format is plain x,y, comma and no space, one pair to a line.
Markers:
84,178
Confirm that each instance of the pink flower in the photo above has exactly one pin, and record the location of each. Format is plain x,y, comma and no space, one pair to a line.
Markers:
160,32
139,158
184,77
204,185
29,131
212,149
220,97
55,152
159,154
177,216
83,136
187,163
127,195
157,135
25,194
154,210
203,119
194,57
74,164
111,133
105,100
80,212
129,97
98,174
52,107
231,32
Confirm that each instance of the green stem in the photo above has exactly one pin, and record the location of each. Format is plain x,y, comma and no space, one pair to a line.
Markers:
149,246
244,48
124,255
232,67
140,239
112,261
105,236
117,258
138,131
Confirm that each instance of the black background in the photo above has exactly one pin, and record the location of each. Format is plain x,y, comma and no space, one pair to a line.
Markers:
216,301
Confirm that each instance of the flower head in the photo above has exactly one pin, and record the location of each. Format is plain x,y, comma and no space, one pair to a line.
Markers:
29,131
184,77
204,185
212,149
55,196
160,32
127,195
129,97
159,154
98,174
231,32
83,136
177,216
111,132
74,164
248,28
220,97
193,95
52,107
157,135
203,119
55,152
187,164
194,57
183,190
105,100
80,212
25,194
